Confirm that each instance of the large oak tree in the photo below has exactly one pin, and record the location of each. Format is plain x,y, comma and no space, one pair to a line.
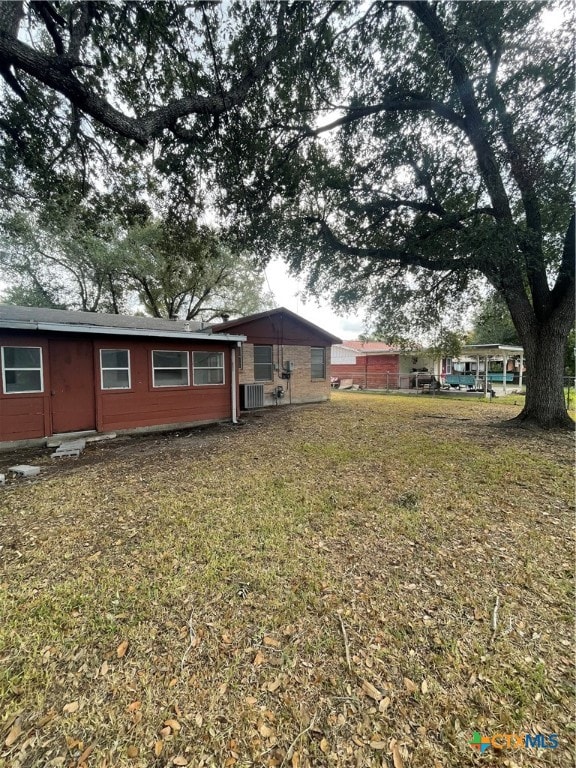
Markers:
431,144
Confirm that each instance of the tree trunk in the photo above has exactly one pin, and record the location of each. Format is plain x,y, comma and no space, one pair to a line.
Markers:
545,406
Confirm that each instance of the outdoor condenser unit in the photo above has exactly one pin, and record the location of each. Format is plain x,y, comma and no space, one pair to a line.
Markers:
251,396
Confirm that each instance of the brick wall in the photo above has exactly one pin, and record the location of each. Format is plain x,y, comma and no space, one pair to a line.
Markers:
300,388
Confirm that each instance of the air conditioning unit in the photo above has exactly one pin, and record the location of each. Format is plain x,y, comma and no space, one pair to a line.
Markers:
251,396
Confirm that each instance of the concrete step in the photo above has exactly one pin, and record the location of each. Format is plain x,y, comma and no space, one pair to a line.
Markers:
89,436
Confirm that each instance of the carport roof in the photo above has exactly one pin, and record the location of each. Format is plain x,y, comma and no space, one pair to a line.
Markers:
492,349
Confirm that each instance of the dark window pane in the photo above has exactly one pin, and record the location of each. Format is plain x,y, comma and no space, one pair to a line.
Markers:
23,381
263,369
115,379
114,358
166,359
318,362
166,377
21,357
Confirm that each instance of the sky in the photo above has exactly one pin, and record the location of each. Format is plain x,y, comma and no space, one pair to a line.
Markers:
286,290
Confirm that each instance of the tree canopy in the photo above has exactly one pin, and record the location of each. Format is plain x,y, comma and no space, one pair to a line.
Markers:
167,268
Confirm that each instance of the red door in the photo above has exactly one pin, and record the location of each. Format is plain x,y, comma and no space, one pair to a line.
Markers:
72,385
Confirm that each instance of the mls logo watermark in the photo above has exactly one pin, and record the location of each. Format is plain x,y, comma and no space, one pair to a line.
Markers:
500,741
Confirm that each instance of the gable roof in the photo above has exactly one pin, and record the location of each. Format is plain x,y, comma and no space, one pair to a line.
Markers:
370,347
278,312
40,318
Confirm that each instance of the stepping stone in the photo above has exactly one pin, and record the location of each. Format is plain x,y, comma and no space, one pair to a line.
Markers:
25,470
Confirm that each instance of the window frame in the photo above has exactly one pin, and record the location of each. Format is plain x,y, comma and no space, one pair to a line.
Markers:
208,368
170,368
271,363
324,366
122,368
4,369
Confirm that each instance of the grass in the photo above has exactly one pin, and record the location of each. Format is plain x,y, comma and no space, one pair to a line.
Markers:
181,599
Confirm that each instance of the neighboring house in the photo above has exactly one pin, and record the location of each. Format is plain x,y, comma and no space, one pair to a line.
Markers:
80,371
375,365
285,358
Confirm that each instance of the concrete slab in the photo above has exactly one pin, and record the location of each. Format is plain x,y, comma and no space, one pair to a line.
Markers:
88,437
75,445
25,470
67,437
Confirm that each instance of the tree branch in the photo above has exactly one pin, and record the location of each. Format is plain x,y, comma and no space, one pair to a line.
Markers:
407,258
55,72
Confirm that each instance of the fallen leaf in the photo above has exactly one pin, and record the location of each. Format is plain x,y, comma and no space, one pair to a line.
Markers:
14,734
104,668
265,731
410,685
132,751
324,746
174,724
424,686
378,744
296,760
371,690
158,747
199,720
179,760
396,756
122,648
134,706
259,659
384,704
165,731
271,642
71,707
85,755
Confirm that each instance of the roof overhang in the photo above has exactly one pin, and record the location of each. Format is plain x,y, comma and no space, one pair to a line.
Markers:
488,350
102,330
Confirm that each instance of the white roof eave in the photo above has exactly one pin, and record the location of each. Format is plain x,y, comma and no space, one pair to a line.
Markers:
109,331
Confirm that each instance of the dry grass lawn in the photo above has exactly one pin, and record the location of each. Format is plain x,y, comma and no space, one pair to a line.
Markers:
314,588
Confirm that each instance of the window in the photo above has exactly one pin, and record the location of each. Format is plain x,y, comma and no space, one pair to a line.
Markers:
208,368
115,368
318,362
22,369
448,365
170,369
263,369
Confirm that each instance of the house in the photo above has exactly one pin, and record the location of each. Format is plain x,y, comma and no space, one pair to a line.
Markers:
375,365
285,359
65,372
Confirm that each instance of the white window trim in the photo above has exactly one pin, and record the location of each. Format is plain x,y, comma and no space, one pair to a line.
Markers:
171,368
318,378
102,369
41,369
209,368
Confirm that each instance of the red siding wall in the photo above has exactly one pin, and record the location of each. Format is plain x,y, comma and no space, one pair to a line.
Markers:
370,371
144,405
27,416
